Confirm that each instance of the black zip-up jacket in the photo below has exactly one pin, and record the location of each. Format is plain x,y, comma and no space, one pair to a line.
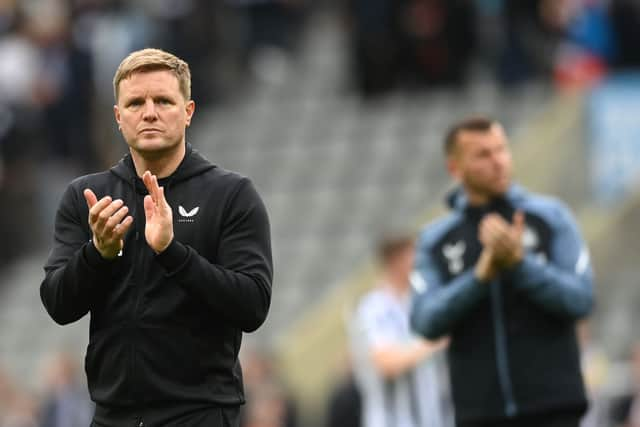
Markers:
165,329
513,345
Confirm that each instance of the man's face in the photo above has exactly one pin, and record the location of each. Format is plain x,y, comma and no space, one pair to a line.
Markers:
481,161
152,112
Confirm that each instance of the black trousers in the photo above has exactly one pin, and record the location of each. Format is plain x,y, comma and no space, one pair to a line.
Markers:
556,419
221,416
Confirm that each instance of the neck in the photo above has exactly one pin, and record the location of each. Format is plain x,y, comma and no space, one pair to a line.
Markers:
478,198
160,164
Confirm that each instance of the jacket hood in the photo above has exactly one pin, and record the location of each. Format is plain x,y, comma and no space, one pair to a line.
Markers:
457,200
193,164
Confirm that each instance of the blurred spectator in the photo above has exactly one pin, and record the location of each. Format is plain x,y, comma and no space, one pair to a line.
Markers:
437,40
507,275
5,392
269,403
66,402
21,412
595,367
588,46
344,407
62,89
491,32
17,408
530,42
625,16
626,410
272,29
19,67
415,42
395,369
345,404
374,46
571,40
187,29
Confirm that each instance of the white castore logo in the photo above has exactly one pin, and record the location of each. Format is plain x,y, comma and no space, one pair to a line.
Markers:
187,216
183,212
454,253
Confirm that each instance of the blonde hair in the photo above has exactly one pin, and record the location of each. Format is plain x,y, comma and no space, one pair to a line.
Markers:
153,60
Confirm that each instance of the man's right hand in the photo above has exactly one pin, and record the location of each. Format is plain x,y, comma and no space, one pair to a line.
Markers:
109,223
486,267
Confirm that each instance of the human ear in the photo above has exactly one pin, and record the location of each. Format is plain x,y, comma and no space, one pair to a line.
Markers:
190,108
116,113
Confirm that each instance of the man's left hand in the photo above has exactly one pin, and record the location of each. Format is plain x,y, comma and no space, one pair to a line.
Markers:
159,218
503,238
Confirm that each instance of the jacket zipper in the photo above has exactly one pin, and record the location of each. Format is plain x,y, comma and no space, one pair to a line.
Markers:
138,282
502,359
139,279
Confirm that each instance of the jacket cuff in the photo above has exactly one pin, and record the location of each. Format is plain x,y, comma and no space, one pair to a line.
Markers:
173,257
525,272
94,259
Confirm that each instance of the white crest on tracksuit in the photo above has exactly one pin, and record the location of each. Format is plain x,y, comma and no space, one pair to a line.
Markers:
417,282
531,241
530,238
454,253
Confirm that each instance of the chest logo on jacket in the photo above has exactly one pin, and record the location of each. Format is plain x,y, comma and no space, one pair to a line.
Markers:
187,216
531,242
530,239
454,253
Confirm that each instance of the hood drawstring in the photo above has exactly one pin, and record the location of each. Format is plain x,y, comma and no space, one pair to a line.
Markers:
135,206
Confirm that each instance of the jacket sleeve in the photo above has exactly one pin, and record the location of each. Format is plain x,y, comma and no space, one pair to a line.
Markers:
74,266
563,285
239,285
437,305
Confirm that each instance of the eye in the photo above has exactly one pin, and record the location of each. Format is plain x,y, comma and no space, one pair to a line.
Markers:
164,101
135,103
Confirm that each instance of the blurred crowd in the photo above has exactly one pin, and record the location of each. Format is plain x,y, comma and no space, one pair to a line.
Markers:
62,400
426,43
57,57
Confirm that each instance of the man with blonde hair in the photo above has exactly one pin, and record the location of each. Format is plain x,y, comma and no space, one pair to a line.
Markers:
170,254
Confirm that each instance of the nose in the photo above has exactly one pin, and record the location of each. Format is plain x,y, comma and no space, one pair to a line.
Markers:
500,160
149,112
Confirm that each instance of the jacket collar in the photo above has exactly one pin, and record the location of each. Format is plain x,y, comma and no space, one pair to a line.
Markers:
457,198
192,164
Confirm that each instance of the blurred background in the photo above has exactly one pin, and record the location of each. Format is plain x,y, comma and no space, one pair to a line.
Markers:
337,110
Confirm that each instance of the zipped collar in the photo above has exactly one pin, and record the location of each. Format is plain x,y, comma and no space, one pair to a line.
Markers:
457,199
192,164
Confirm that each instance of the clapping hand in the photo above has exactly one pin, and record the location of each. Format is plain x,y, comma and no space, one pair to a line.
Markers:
502,245
159,218
109,223
503,239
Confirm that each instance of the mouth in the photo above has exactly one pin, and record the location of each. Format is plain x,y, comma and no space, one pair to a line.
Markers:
150,130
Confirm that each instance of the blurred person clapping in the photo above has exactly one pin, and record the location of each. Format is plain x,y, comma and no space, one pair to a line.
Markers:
507,276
